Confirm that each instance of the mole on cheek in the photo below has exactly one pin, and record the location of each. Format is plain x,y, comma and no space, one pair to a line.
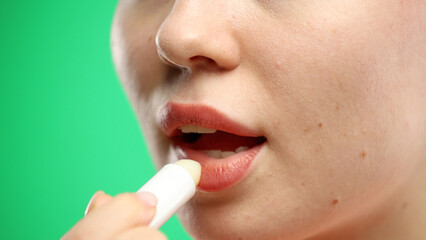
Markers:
320,125
335,202
363,154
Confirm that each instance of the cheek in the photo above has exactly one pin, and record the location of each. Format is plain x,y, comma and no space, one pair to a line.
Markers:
136,59
342,121
137,63
134,29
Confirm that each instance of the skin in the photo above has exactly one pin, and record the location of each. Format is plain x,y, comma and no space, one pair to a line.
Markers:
338,88
124,217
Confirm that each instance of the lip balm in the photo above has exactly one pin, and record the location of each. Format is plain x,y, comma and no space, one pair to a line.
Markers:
173,186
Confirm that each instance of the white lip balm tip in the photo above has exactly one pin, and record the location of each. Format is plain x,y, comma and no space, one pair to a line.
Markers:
192,167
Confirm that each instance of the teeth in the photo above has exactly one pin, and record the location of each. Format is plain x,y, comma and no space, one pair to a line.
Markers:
241,149
214,153
227,154
196,129
223,154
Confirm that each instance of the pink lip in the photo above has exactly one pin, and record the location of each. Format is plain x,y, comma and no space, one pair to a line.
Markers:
217,174
173,115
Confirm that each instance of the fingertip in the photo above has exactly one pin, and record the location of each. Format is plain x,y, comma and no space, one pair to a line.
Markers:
147,198
98,199
141,205
150,201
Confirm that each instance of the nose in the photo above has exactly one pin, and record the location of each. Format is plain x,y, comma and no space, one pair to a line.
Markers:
198,35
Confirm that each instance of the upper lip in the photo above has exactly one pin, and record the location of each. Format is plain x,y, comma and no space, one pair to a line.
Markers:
174,115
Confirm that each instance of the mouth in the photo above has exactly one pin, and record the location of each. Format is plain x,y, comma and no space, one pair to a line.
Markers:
225,149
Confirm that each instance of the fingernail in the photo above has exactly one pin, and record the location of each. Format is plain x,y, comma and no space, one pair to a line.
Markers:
91,200
147,198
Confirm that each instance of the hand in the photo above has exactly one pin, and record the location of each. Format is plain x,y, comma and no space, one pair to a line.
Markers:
124,217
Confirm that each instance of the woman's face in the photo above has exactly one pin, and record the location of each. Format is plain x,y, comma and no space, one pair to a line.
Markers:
336,87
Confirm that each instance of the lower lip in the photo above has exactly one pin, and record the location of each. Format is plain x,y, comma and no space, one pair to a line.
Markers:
220,174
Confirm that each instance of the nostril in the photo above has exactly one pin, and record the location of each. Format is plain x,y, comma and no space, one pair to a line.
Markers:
201,58
203,62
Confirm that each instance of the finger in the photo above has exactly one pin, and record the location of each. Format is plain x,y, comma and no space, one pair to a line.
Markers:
98,199
141,233
121,213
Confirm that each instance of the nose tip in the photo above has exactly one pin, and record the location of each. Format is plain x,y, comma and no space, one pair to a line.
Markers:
195,40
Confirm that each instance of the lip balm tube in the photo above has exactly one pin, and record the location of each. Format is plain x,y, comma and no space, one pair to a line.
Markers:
173,186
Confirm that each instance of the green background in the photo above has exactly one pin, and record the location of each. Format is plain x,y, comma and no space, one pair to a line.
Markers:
67,129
